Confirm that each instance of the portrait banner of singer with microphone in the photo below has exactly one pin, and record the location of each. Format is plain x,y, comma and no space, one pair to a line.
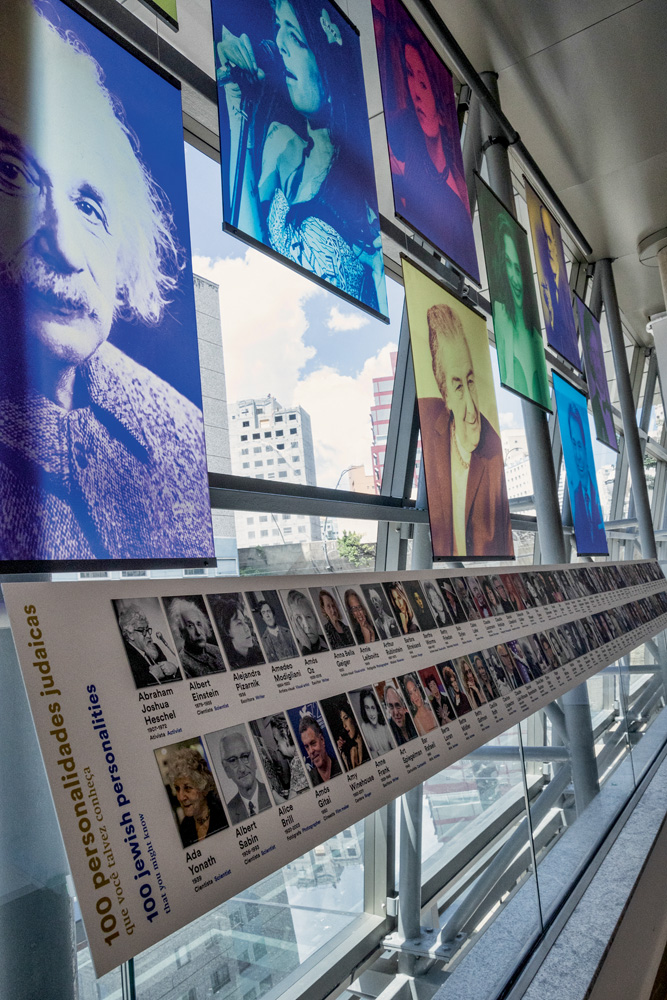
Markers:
102,452
297,165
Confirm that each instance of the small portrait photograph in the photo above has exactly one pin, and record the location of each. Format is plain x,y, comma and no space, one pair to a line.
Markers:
280,759
475,588
236,630
533,584
577,641
396,711
332,617
516,590
374,726
360,619
296,156
143,628
530,657
402,608
521,666
490,595
314,742
582,485
437,697
553,585
466,600
487,684
460,429
516,319
591,633
555,295
414,590
508,596
454,606
537,653
420,709
454,688
192,634
559,646
304,622
588,328
437,603
471,685
381,612
495,670
190,788
549,654
271,625
345,731
234,761
512,673
98,332
423,135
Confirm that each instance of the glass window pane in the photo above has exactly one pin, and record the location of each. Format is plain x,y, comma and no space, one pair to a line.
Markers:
476,850
250,944
294,353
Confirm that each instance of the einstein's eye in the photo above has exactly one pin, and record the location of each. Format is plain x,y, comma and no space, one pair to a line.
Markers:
92,210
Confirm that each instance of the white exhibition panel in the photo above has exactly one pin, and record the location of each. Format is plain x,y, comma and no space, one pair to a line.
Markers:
136,882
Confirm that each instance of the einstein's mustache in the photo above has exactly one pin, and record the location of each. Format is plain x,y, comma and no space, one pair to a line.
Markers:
31,277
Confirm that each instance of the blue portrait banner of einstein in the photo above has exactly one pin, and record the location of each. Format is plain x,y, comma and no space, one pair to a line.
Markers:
296,157
102,453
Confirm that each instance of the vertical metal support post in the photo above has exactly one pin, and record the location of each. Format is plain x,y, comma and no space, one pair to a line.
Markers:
399,459
545,489
409,876
632,443
472,149
422,551
595,304
645,416
37,945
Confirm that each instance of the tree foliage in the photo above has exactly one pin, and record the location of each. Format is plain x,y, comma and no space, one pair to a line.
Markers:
353,550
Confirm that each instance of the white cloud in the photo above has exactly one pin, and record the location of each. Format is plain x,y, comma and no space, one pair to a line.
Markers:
263,322
343,322
263,326
507,420
339,408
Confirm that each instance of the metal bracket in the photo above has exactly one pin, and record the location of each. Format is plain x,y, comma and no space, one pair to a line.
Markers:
495,140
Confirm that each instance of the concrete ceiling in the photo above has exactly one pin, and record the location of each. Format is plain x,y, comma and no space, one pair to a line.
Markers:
584,83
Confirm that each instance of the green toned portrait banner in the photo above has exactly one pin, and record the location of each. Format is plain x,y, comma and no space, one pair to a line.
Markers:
166,9
516,320
463,455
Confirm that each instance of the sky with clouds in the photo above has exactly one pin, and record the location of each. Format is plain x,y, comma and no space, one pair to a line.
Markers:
283,334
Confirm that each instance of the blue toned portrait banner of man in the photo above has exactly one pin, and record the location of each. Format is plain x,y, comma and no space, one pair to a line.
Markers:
102,452
430,192
297,164
552,277
516,320
582,483
596,373
468,507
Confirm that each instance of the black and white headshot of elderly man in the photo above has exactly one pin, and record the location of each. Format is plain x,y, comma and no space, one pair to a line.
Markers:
99,456
192,631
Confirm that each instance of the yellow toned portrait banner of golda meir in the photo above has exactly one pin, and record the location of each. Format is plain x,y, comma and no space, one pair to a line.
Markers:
463,456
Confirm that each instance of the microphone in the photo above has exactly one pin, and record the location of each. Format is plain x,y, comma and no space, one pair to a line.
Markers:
158,635
268,59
